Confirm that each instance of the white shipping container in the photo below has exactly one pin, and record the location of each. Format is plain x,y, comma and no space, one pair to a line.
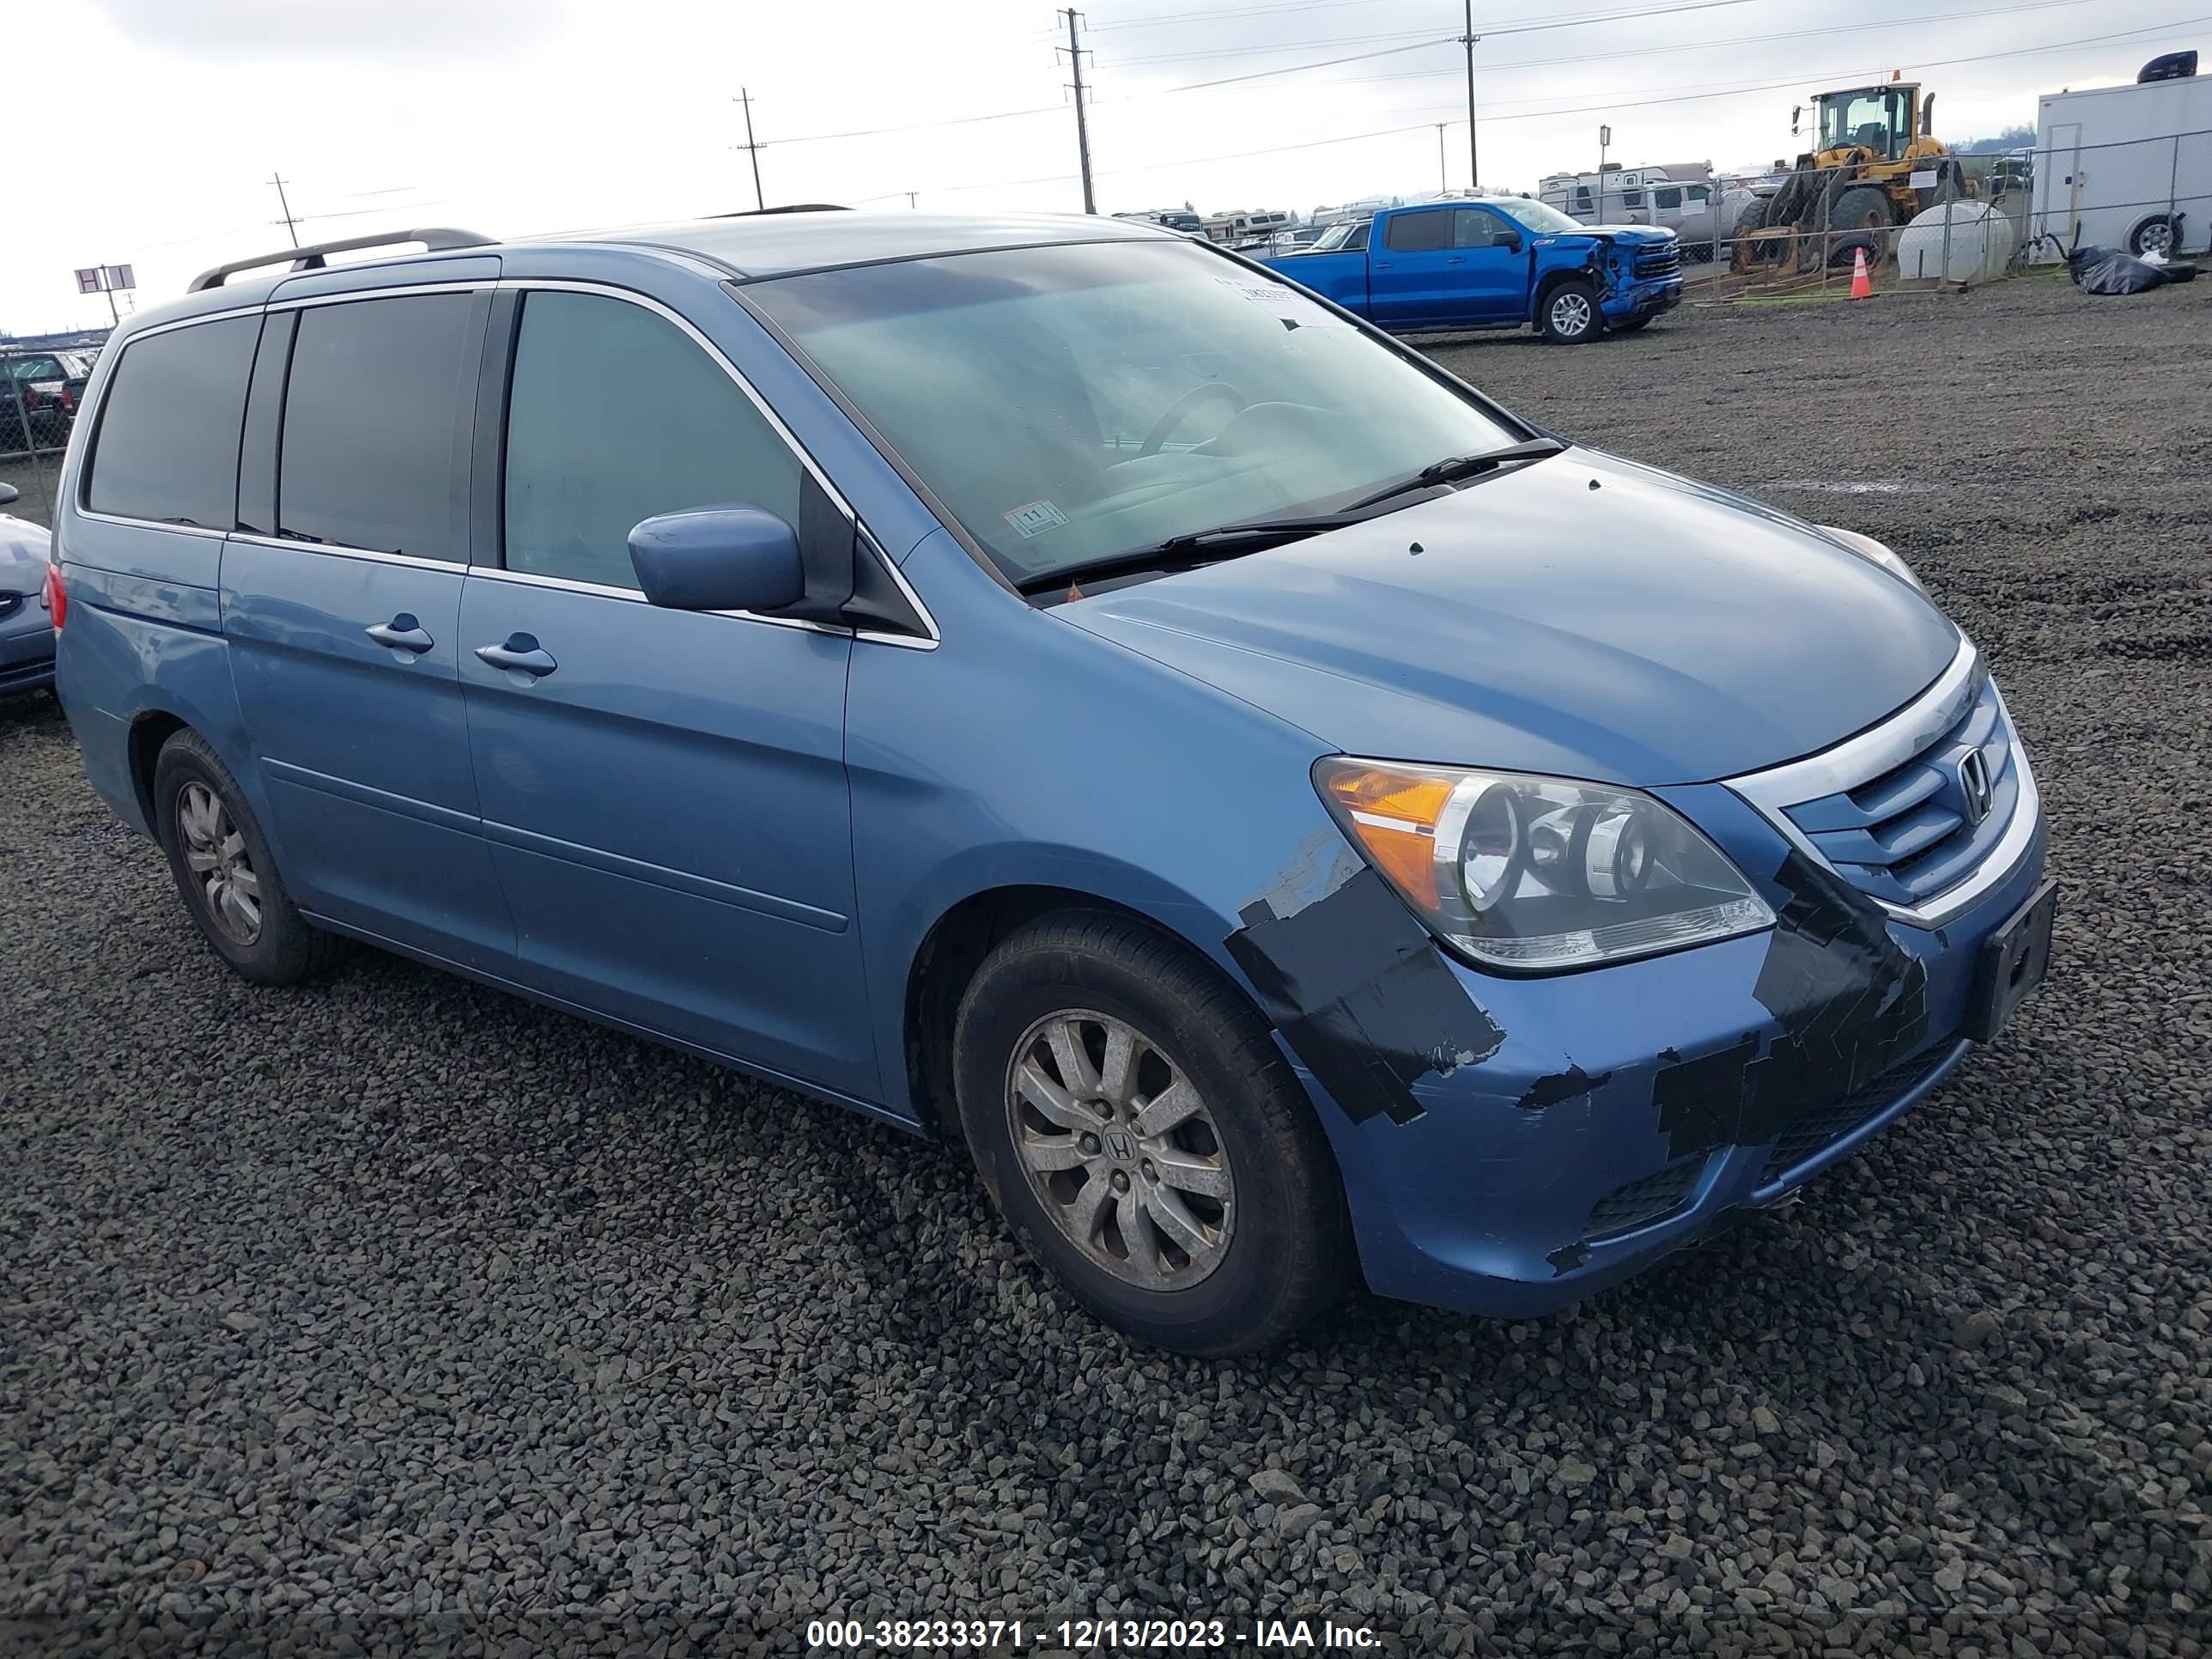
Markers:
2126,167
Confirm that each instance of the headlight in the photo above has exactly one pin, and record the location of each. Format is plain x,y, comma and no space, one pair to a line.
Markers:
1874,553
1536,874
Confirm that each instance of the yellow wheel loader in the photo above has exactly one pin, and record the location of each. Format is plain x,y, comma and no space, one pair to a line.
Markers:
1874,165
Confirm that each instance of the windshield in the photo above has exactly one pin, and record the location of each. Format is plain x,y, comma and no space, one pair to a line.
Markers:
1070,403
1536,217
1336,236
1874,118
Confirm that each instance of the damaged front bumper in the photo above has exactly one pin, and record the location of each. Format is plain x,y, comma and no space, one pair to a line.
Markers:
1565,1133
1634,299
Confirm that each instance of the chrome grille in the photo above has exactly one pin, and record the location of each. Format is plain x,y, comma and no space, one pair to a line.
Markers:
1659,262
1890,811
1909,833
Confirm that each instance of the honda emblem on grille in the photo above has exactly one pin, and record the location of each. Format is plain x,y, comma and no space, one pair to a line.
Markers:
1974,785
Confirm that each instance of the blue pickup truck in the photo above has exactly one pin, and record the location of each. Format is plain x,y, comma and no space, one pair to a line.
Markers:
1495,262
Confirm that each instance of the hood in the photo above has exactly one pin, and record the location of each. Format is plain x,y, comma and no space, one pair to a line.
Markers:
1582,616
1624,232
23,550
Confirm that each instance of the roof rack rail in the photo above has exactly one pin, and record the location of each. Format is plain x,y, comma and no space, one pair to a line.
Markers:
313,258
795,207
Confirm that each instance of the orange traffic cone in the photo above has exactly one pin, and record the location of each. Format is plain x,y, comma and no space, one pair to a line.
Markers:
1862,285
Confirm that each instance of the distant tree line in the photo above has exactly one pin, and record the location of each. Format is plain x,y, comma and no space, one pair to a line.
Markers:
2010,138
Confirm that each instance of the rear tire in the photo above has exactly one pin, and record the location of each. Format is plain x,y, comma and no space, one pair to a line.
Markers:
1571,313
224,871
1237,1233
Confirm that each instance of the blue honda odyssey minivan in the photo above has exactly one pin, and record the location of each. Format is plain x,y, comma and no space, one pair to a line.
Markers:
1051,683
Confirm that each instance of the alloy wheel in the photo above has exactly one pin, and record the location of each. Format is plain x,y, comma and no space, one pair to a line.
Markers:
214,852
1121,1150
1570,314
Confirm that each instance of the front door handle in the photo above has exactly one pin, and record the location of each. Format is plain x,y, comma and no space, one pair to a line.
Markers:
521,655
403,634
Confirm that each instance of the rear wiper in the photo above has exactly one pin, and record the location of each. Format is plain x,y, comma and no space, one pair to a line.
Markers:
1194,548
1453,468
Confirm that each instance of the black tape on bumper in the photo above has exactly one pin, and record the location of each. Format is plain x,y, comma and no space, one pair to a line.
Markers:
1850,1002
1358,990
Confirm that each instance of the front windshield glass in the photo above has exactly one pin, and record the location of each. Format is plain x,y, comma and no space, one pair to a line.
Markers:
1335,237
1538,218
1070,403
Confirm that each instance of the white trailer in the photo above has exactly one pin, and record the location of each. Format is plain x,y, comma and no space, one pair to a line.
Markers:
1679,196
2125,167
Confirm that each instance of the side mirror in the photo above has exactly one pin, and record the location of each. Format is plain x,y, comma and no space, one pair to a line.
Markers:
9,494
718,558
1510,241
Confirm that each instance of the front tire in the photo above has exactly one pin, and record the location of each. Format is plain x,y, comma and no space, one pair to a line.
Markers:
1132,1120
223,870
1571,313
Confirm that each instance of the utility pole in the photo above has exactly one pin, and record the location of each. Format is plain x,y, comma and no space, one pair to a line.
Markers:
752,149
290,224
1082,124
1473,174
1442,185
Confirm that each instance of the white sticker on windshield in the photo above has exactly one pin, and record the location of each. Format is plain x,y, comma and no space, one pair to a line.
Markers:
1282,302
1035,519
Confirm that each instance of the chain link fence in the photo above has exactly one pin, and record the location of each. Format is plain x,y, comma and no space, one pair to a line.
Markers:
40,389
2005,214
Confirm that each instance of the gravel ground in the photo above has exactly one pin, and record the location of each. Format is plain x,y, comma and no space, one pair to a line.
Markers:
398,1312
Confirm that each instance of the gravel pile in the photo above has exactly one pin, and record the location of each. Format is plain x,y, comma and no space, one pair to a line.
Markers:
396,1313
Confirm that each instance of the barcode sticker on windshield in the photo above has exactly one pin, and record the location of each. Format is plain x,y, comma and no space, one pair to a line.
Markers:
1035,519
1292,309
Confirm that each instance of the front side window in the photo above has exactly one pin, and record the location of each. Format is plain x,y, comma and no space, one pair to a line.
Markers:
615,415
1699,196
1070,403
372,413
1667,198
167,444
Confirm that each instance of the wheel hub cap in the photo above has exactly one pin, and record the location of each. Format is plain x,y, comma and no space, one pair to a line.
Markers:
214,852
1121,1150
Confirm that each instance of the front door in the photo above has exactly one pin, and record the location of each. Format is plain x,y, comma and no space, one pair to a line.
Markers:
342,607
663,791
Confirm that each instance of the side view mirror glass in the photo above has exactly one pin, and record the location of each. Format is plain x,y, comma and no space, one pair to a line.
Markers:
718,558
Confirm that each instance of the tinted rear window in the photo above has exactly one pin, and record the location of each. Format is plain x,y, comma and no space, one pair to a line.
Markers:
167,445
371,414
1418,233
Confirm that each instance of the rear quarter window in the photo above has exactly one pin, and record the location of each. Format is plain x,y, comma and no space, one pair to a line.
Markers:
166,448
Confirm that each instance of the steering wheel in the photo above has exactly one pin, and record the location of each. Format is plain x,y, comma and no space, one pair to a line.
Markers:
1181,410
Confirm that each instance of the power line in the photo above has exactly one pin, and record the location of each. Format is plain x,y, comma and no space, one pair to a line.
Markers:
1703,45
1162,19
1516,26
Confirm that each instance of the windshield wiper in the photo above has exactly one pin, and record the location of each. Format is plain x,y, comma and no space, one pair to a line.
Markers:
1453,468
1194,548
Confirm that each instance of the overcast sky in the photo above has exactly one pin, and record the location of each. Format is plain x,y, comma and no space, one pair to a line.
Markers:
164,120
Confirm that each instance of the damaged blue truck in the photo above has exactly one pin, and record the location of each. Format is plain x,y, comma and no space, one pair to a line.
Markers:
1493,262
1057,686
